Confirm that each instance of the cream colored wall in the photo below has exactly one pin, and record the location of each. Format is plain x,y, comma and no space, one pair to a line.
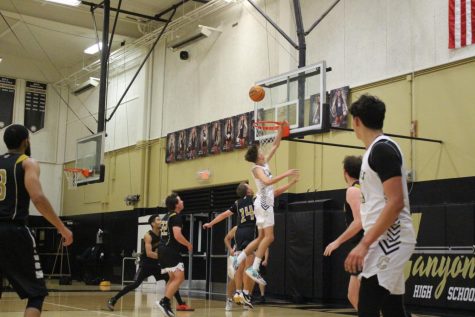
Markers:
440,99
445,108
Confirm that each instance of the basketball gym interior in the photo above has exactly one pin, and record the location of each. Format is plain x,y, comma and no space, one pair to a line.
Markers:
126,113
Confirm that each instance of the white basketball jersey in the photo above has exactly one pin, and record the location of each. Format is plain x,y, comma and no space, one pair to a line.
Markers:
265,194
373,200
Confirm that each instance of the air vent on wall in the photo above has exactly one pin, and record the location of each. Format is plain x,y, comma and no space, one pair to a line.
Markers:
90,83
202,33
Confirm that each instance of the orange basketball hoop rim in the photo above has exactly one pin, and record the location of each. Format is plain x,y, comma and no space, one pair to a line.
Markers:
84,171
273,126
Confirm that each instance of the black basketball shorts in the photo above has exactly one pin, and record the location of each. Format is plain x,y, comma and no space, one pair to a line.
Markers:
244,236
20,262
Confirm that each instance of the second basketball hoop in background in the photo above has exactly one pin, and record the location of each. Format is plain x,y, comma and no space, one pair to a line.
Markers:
257,93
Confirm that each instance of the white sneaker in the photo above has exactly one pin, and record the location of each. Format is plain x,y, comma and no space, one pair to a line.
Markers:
229,304
255,276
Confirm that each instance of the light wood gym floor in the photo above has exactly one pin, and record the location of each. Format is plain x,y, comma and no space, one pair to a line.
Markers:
72,301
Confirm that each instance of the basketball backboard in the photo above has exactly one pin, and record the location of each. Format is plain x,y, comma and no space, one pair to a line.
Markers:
297,96
90,155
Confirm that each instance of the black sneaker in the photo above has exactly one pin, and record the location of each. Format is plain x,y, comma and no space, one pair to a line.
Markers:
110,304
261,300
165,307
247,301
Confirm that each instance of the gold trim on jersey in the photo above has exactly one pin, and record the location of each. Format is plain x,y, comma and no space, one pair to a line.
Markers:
19,160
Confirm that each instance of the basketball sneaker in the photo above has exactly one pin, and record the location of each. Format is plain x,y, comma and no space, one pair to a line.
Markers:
247,304
165,307
110,304
252,273
184,307
238,298
229,304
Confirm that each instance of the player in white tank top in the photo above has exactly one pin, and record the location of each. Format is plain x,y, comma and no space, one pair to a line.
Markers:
264,203
389,238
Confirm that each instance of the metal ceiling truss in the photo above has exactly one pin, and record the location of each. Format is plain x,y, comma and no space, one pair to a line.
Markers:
130,55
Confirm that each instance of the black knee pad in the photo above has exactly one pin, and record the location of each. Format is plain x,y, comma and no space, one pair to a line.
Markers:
35,302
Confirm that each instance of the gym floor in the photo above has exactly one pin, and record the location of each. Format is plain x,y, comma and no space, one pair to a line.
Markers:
81,300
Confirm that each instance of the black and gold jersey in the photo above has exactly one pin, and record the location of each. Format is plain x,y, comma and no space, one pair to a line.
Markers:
144,259
167,239
244,208
14,198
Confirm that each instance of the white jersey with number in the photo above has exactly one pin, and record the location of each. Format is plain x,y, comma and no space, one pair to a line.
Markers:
373,199
265,193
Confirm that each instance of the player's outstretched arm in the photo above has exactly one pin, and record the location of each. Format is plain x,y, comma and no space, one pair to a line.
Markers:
259,174
282,189
33,186
353,199
276,143
218,219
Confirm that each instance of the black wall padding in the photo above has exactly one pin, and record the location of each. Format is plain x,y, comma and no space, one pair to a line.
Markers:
275,276
335,277
299,255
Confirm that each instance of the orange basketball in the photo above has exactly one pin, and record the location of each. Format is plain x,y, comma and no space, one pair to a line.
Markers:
257,93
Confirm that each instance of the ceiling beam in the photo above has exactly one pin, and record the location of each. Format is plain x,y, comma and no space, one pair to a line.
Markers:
148,17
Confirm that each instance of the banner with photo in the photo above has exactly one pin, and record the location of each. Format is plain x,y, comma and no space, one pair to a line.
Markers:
242,130
204,140
171,147
181,145
192,143
339,107
228,134
316,111
216,137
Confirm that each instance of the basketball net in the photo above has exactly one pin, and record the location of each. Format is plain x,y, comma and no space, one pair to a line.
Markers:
266,132
75,175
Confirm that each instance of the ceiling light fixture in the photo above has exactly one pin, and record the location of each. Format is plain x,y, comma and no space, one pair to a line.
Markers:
93,49
73,3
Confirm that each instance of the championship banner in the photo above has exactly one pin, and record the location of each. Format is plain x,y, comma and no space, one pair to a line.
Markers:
7,99
35,105
441,271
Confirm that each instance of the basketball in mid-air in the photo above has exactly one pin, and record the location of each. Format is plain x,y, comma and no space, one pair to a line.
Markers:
257,93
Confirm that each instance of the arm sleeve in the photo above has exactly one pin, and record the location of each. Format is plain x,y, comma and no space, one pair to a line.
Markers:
386,160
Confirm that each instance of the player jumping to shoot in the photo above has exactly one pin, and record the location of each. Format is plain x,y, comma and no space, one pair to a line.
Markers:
264,203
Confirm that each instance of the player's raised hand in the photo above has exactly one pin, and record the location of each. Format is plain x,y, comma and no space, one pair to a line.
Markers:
207,225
